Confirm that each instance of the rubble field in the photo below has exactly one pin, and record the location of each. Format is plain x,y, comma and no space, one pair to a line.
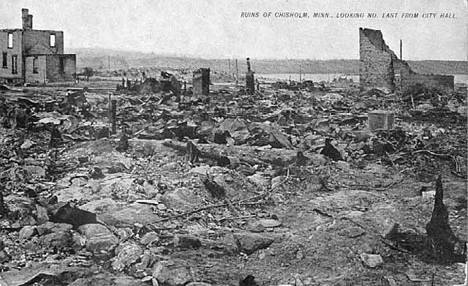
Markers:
293,185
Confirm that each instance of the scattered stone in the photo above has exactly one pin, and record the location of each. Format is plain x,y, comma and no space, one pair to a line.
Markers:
59,241
149,238
45,273
269,223
259,180
391,281
342,165
428,194
181,198
251,242
127,254
146,261
41,214
27,231
162,207
381,119
78,240
35,171
388,227
51,227
150,189
372,260
27,144
299,255
186,241
4,256
276,182
318,159
331,97
352,232
129,215
383,218
99,239
255,227
169,273
202,170
99,206
124,233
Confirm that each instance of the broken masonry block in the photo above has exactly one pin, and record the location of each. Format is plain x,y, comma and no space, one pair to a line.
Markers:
65,213
215,189
440,238
301,160
330,151
381,119
248,281
186,241
123,144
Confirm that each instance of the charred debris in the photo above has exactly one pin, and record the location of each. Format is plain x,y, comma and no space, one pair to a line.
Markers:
173,181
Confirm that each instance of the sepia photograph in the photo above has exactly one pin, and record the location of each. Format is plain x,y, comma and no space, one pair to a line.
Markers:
233,143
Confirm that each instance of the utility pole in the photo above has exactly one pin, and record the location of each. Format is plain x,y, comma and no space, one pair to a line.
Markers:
237,74
401,49
108,61
229,63
300,73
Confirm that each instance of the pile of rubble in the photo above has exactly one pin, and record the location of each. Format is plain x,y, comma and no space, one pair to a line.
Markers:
162,188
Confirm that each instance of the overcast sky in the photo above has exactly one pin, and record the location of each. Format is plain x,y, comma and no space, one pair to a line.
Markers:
215,29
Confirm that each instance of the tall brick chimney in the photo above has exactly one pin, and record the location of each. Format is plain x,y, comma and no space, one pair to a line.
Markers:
27,19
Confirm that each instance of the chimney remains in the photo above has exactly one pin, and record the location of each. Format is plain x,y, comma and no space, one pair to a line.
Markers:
27,19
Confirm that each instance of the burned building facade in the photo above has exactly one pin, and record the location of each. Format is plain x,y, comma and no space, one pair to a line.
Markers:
201,81
381,68
34,56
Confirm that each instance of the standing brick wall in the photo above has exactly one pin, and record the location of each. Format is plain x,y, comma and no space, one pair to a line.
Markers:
376,61
31,76
56,72
6,74
379,64
38,42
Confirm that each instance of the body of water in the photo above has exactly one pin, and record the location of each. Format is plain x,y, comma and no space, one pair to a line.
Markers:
315,77
459,78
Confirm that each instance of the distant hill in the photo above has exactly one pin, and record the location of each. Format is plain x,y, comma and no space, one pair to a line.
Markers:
98,58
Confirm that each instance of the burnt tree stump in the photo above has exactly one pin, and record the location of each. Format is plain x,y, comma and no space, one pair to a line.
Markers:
440,238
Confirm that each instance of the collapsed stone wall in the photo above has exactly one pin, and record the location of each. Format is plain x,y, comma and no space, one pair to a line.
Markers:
379,66
440,81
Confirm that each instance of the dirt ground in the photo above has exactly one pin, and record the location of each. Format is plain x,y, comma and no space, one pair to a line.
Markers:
211,191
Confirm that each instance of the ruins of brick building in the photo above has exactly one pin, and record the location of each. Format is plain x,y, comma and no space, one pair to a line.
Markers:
201,81
381,68
249,79
34,56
